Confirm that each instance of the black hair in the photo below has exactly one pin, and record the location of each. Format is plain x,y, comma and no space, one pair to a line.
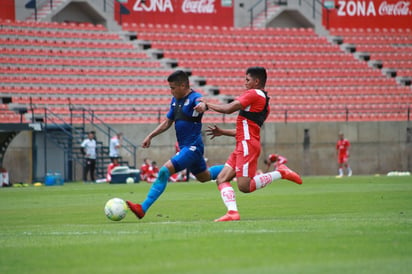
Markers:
259,73
179,76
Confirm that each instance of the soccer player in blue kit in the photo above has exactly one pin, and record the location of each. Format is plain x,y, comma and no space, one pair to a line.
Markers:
188,127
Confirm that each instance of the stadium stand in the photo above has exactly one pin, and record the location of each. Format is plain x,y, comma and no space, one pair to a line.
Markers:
390,46
305,70
61,65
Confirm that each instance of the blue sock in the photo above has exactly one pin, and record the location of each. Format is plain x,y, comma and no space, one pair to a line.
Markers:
214,171
157,188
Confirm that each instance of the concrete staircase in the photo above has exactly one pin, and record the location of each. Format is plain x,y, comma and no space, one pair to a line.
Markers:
45,9
262,18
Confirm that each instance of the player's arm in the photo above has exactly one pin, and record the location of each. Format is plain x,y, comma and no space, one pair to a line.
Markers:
162,127
225,108
229,108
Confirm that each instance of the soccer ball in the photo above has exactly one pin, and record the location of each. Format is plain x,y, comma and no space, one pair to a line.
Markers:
115,209
130,180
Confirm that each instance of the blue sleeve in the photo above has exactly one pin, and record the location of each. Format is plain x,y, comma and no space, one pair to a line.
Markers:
171,113
196,102
193,102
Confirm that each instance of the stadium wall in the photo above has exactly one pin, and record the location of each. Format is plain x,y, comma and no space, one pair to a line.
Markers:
377,147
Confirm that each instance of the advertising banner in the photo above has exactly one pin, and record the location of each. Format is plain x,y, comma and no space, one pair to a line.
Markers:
367,14
181,12
7,10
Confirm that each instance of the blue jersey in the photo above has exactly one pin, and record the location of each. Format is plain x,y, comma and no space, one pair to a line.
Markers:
188,133
188,127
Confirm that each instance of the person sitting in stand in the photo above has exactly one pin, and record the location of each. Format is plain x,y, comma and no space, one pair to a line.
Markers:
144,168
152,172
110,167
276,160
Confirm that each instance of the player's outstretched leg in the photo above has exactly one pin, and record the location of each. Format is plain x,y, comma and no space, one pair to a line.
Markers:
289,174
154,193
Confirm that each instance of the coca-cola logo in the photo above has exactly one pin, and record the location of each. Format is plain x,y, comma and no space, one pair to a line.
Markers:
367,8
400,8
198,6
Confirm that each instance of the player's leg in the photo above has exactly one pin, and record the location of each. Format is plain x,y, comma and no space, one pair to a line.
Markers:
214,171
92,169
241,163
86,169
155,191
249,181
340,171
282,172
209,174
349,171
186,158
347,167
159,185
226,190
227,194
340,163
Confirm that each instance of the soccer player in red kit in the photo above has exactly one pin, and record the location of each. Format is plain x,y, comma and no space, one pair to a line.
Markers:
342,150
253,107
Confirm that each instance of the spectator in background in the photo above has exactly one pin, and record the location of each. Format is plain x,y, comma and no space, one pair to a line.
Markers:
342,151
110,168
276,160
89,152
178,177
144,169
152,173
114,148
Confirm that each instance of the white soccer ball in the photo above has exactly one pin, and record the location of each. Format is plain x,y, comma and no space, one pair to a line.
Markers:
130,180
115,209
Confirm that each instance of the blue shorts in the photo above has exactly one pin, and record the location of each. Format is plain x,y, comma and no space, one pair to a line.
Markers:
191,158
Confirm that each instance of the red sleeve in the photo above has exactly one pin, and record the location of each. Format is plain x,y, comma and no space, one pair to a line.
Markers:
247,98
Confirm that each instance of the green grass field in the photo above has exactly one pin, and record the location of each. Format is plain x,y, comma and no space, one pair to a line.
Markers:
327,225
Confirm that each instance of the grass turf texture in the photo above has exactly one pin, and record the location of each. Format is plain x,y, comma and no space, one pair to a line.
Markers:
327,225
